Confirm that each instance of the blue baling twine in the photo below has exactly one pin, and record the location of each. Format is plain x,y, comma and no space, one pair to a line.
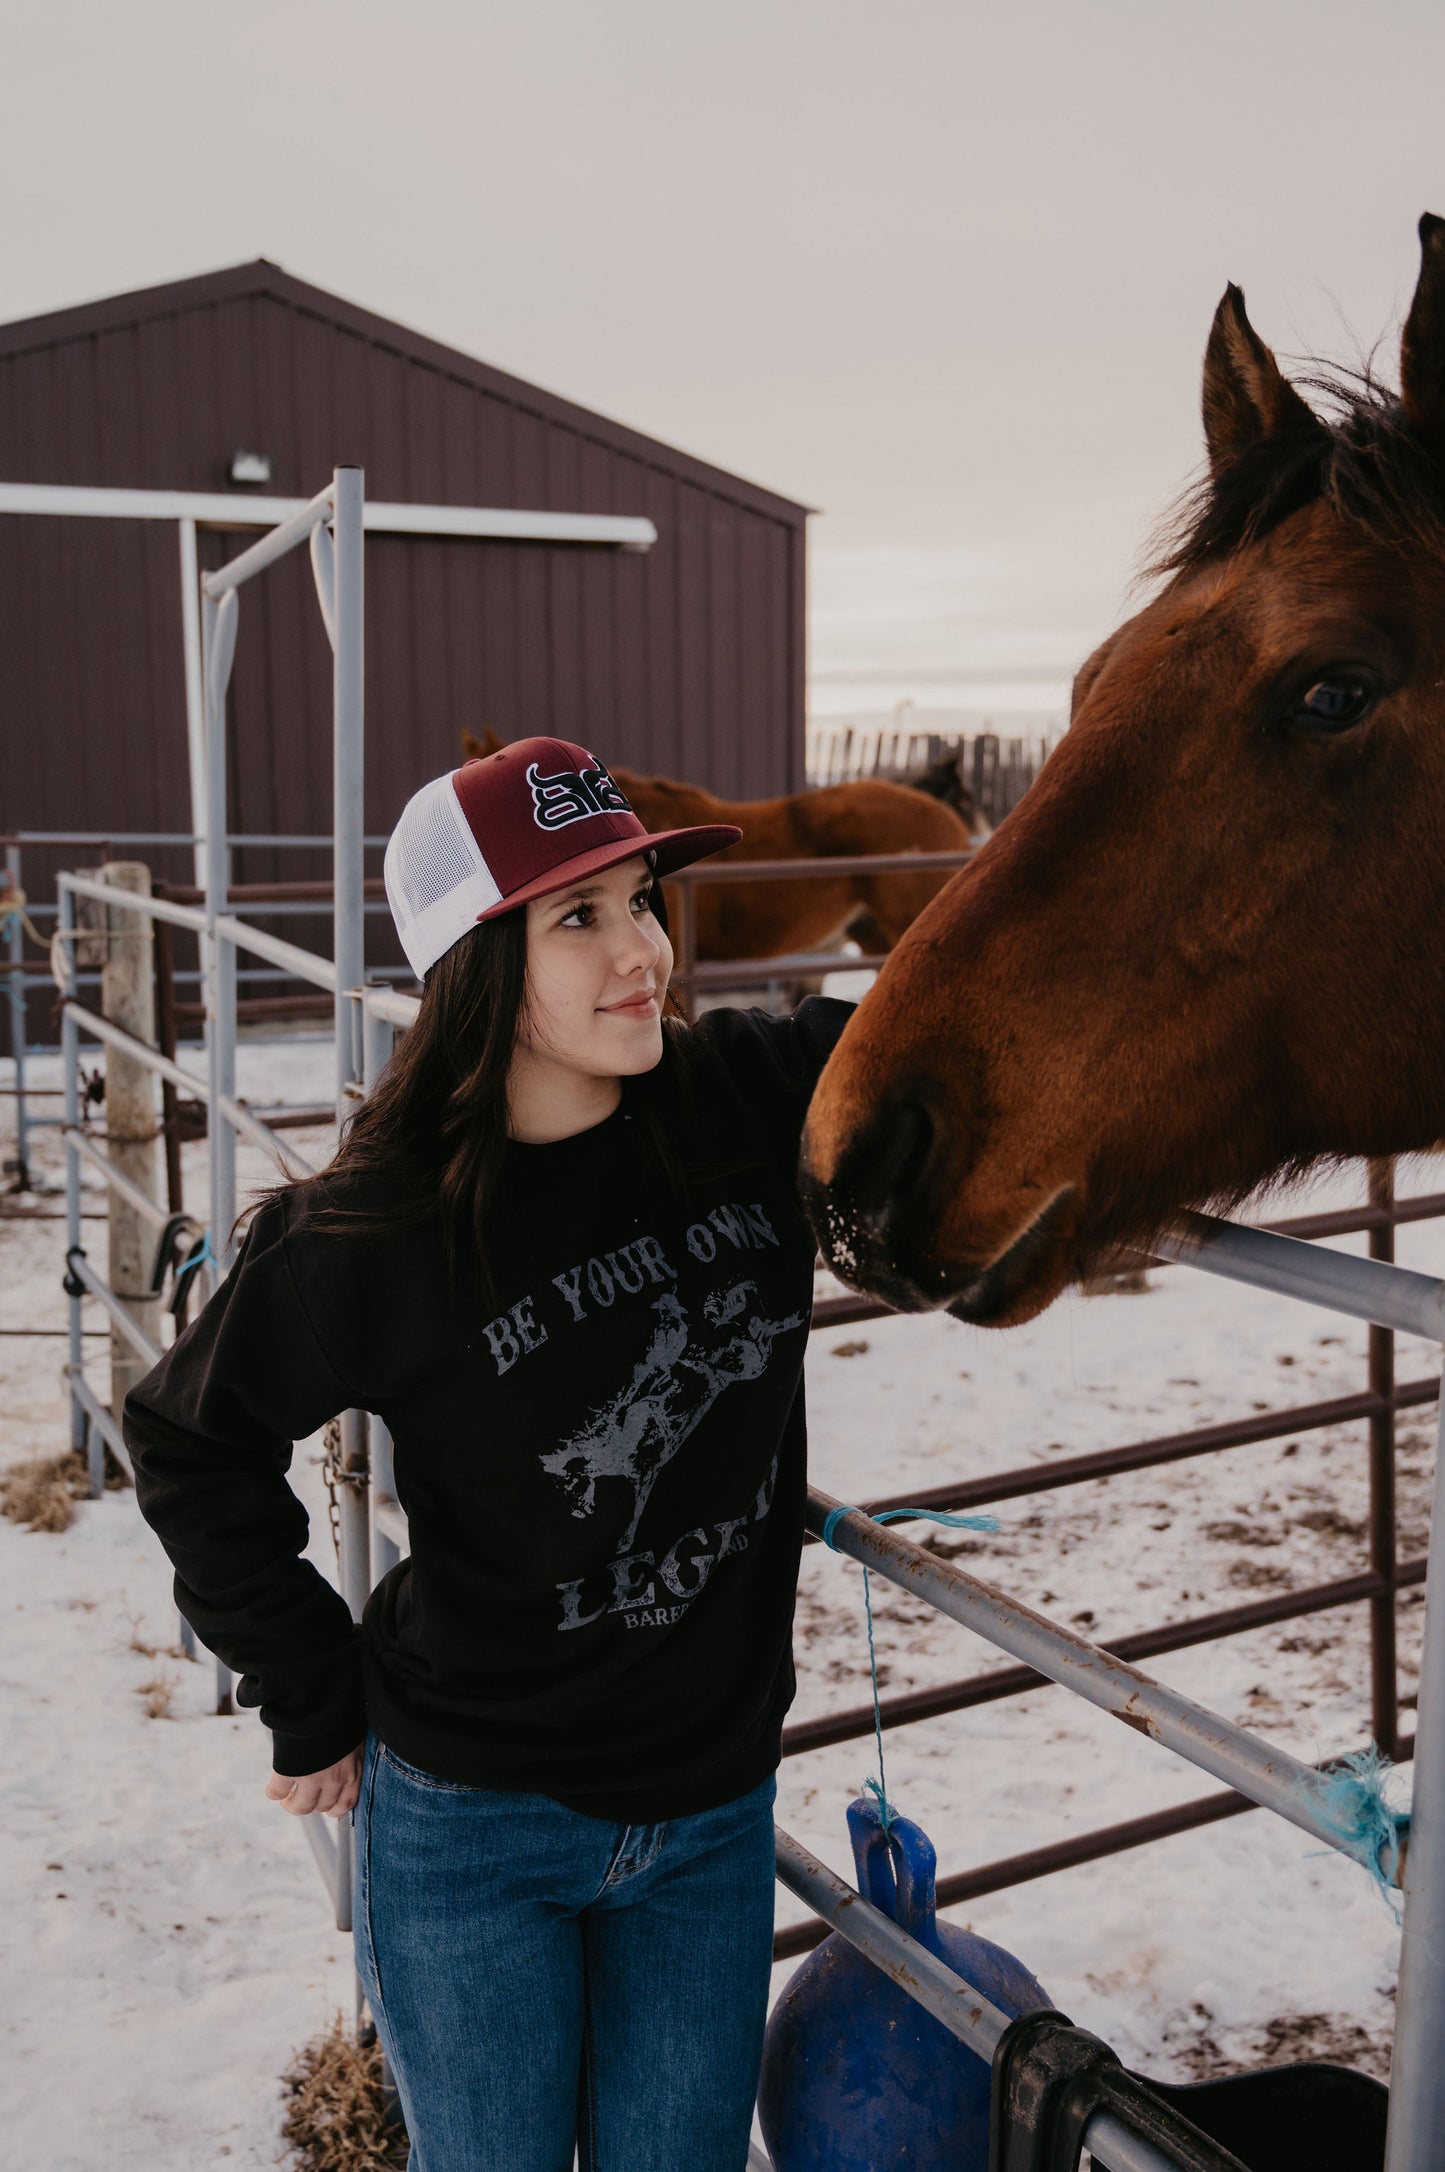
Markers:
878,1788
1351,1793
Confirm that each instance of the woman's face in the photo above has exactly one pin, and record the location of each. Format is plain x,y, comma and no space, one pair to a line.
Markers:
597,971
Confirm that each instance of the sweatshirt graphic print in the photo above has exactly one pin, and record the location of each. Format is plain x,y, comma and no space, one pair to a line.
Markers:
603,1471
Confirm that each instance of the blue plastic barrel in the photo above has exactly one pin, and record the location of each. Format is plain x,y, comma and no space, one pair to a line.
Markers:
856,2076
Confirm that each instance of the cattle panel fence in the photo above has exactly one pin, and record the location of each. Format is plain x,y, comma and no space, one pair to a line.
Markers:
371,1526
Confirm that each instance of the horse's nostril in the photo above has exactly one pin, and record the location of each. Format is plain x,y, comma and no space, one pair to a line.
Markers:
902,1145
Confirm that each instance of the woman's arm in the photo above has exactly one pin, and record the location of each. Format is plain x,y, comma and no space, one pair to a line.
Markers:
210,1430
776,1061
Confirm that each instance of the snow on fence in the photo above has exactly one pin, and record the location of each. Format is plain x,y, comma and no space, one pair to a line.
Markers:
372,1530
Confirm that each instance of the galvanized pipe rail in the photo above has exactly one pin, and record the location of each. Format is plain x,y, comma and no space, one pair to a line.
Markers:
1372,1290
937,1988
690,974
1269,1776
118,1182
110,1304
911,1706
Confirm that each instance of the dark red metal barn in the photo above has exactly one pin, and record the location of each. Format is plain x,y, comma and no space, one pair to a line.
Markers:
686,659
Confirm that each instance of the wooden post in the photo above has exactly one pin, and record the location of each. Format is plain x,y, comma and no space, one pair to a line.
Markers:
132,1132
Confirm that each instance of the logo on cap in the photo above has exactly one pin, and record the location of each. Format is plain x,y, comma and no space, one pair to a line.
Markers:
571,795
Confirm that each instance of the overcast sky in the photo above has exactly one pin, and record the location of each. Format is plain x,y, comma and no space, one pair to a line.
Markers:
941,269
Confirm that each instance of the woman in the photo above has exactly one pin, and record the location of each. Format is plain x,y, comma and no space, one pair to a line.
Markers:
559,1252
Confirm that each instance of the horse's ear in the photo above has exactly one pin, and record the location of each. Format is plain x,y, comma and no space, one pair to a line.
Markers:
1246,395
473,749
1422,343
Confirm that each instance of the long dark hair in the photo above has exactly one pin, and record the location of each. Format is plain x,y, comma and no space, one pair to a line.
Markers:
434,1126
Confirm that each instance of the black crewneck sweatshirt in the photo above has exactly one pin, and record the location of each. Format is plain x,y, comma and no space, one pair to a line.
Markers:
603,1468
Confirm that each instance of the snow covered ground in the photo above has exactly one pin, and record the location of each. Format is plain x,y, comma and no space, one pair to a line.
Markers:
164,1940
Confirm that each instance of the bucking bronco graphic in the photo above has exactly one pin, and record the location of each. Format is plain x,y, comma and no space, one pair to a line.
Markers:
671,1391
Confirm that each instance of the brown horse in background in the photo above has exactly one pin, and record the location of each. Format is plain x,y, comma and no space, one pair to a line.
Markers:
771,919
1209,946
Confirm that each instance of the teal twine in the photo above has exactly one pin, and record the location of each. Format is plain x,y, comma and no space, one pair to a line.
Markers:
1351,1793
878,1788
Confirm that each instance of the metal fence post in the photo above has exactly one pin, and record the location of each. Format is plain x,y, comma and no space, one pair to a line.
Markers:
683,922
165,984
348,770
1384,1677
15,985
1417,2080
218,632
70,1068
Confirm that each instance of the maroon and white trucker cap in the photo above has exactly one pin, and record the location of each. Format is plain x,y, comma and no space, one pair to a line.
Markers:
516,825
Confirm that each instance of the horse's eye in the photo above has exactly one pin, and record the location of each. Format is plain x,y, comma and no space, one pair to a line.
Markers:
1333,703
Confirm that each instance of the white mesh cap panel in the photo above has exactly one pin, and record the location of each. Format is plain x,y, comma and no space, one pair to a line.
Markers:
436,878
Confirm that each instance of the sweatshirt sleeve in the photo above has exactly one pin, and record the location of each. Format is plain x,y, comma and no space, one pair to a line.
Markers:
776,1062
210,1430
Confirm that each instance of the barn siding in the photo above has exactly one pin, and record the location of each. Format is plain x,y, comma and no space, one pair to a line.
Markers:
685,661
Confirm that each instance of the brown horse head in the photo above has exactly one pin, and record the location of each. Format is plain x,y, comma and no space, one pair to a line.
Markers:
1209,944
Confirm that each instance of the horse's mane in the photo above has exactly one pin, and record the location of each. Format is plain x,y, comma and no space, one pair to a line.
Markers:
1362,459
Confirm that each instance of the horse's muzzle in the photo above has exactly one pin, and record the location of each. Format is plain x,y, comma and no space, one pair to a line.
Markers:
865,1218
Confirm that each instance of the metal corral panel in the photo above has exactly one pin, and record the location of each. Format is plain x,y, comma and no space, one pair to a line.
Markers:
686,660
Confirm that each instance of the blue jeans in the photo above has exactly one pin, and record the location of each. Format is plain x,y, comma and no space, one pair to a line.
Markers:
541,1979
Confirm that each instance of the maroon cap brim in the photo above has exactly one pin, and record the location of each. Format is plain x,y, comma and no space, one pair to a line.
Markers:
672,849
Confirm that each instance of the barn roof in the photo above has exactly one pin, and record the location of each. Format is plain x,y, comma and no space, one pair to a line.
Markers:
267,281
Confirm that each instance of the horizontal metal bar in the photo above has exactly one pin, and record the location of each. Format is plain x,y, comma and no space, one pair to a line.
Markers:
851,1310
388,1003
320,841
1268,1775
99,1416
1044,1862
934,1986
280,540
1365,1289
1186,1817
849,863
288,1159
105,893
1114,2147
211,509
505,524
964,2012
1144,1455
1060,1855
746,972
389,1518
240,898
274,894
123,1186
856,1721
116,1037
105,1296
305,964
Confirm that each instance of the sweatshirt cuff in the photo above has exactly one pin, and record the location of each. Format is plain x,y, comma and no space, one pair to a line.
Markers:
295,1757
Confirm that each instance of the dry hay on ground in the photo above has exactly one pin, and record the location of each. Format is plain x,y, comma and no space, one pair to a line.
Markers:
336,2113
42,1491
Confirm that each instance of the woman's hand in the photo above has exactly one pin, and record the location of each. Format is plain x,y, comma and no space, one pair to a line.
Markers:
335,1790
